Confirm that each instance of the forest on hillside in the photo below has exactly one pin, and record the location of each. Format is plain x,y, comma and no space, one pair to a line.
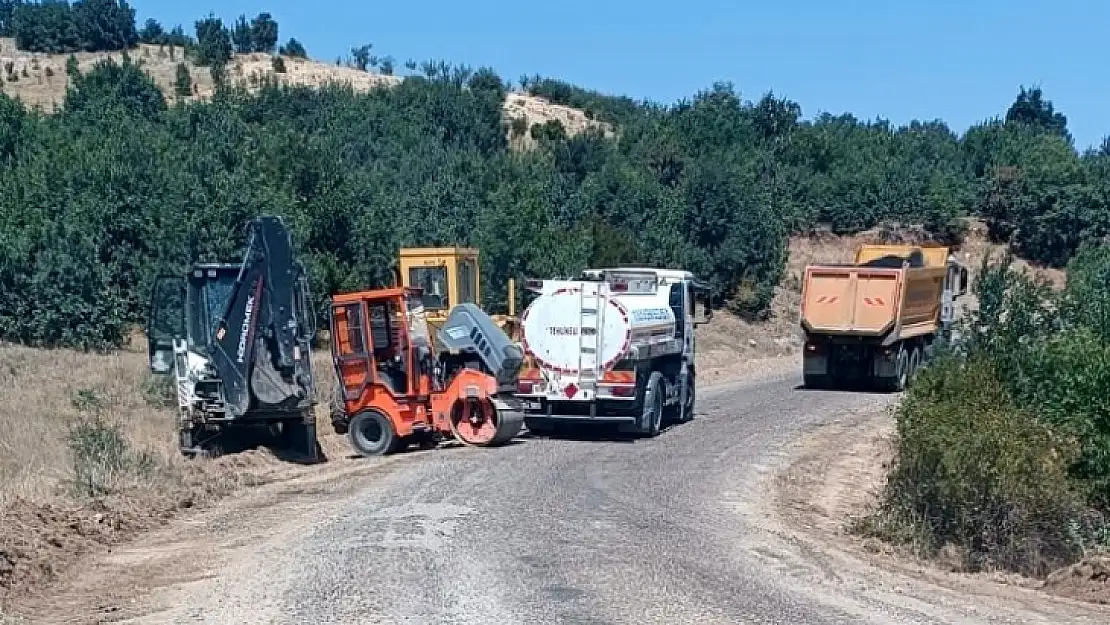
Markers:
120,186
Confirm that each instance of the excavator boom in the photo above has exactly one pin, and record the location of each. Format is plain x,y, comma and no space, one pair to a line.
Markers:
262,305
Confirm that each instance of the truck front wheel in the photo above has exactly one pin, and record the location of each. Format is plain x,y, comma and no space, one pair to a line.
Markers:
686,410
651,421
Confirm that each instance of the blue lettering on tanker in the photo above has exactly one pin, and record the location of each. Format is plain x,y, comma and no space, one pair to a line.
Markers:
651,314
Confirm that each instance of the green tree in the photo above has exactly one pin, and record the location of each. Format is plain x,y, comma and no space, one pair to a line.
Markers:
214,46
152,32
264,33
361,56
293,48
183,82
241,36
1031,108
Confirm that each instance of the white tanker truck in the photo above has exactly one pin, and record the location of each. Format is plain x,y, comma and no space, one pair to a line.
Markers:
613,346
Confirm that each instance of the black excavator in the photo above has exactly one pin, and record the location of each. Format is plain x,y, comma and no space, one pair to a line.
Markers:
237,339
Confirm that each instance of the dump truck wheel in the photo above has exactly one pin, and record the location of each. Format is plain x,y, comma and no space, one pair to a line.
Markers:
897,384
915,363
651,421
371,434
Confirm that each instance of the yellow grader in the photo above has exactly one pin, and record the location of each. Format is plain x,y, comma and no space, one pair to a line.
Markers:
449,276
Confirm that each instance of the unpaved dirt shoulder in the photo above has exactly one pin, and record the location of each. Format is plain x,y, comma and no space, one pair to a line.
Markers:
834,477
125,581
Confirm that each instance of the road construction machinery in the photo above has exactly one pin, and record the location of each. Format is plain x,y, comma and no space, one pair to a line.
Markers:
237,339
875,321
450,276
612,346
400,386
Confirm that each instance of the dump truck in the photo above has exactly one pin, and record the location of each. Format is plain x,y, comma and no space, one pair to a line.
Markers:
876,320
612,346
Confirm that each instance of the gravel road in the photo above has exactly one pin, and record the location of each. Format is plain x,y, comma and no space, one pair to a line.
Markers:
674,529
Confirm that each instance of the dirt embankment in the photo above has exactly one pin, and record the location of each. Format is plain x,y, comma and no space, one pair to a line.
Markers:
40,80
835,480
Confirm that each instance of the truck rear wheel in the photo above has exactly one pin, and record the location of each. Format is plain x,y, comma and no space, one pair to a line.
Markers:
915,363
897,384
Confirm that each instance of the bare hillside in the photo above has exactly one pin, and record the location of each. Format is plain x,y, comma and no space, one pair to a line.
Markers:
41,80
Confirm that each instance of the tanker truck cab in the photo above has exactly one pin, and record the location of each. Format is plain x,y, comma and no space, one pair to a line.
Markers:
612,346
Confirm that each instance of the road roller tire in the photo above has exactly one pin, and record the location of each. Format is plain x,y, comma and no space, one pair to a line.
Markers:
371,433
479,423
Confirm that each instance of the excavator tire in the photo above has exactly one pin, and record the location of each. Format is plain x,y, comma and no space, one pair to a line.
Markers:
479,423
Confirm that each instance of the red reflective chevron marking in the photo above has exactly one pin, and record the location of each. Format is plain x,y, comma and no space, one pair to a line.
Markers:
827,299
874,301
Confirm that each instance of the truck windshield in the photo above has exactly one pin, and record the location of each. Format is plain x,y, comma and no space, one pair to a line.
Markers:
434,282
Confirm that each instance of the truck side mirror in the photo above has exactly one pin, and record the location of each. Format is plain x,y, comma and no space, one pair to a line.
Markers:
703,309
165,322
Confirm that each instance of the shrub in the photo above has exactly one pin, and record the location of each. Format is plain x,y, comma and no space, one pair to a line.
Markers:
976,472
102,457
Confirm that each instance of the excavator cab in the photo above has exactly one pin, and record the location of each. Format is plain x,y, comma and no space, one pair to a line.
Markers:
188,309
449,276
399,384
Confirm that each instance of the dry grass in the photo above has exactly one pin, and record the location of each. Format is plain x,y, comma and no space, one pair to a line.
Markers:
88,457
45,393
46,81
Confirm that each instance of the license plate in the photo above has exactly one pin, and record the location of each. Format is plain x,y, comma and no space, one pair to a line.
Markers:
531,405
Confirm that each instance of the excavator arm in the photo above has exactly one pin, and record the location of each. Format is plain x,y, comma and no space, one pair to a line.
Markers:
258,347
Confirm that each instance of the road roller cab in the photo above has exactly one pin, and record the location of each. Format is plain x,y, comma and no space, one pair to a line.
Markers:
398,386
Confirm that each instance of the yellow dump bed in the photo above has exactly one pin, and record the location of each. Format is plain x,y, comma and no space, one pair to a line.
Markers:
877,294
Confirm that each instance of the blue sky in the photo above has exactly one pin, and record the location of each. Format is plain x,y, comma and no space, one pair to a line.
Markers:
962,62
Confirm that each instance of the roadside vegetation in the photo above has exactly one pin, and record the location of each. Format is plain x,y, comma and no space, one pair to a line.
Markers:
120,185
1004,450
1003,456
